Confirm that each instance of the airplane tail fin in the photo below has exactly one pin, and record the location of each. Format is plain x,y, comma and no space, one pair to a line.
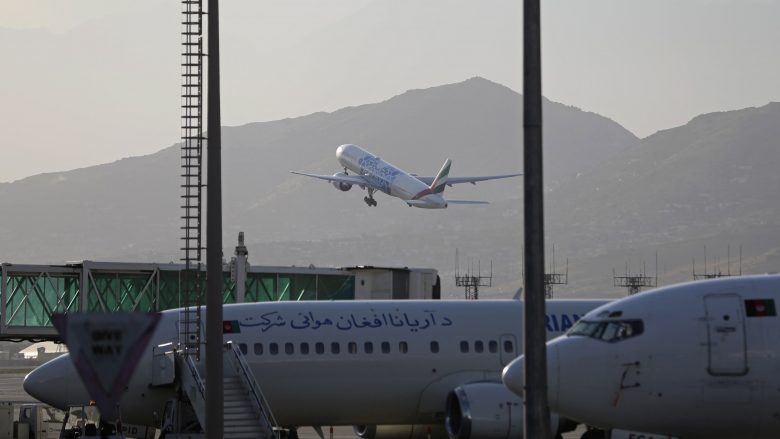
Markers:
440,182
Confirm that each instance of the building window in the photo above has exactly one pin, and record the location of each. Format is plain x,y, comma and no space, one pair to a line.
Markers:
352,347
319,347
304,348
479,346
464,347
273,348
335,348
289,348
258,349
493,346
385,347
403,347
369,347
435,347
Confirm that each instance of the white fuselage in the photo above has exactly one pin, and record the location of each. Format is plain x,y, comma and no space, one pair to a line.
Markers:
346,362
388,178
697,360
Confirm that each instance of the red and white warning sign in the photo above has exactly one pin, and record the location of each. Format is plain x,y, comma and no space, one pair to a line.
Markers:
106,348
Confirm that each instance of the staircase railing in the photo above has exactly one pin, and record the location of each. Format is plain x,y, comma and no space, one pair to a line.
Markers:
194,387
237,360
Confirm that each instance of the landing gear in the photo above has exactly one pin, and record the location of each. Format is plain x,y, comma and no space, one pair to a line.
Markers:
370,198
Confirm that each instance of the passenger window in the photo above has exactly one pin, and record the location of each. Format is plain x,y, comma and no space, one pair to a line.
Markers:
464,347
273,348
435,347
289,348
335,348
258,349
493,346
509,347
243,348
352,347
479,347
402,347
385,347
319,348
304,348
369,347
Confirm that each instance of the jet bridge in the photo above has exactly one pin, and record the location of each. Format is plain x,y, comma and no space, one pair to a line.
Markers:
29,294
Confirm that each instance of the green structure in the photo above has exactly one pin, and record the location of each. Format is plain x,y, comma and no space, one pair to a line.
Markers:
29,294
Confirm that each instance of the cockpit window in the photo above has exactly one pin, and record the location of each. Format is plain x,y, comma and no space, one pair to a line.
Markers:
610,331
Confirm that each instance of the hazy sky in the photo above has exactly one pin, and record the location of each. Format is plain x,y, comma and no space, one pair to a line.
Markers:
91,81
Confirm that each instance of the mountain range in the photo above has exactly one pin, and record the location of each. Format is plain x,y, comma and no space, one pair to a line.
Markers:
611,198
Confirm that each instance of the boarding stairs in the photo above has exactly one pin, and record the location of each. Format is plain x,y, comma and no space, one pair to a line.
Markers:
246,412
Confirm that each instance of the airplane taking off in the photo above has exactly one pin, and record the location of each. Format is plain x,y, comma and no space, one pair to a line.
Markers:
373,174
388,368
695,360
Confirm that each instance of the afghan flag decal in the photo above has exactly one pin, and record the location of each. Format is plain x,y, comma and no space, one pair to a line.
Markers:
760,308
230,327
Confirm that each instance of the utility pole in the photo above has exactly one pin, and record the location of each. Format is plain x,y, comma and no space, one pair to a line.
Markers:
214,394
537,414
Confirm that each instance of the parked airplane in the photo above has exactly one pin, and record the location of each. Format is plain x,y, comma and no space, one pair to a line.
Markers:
389,368
695,360
373,174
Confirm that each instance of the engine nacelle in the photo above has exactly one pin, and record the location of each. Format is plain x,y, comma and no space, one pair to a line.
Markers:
486,411
400,431
340,185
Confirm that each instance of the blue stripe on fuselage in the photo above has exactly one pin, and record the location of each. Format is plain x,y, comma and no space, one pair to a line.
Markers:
560,322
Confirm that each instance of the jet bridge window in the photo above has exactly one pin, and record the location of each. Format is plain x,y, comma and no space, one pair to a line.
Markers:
610,331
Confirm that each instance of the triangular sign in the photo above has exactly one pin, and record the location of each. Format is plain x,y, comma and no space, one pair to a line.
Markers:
105,349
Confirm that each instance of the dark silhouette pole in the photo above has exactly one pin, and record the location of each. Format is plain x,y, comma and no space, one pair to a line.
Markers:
214,394
537,414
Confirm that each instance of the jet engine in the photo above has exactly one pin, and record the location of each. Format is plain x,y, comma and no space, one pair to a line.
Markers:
400,431
488,411
340,185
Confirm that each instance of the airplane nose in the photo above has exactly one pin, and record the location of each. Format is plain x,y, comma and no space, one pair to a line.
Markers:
56,383
513,374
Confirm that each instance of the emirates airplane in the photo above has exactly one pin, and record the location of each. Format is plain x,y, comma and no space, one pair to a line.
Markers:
392,369
373,174
699,360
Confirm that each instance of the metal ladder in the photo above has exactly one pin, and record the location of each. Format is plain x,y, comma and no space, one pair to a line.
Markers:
246,411
192,169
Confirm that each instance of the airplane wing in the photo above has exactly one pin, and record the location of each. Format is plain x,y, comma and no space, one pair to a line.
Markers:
350,179
472,180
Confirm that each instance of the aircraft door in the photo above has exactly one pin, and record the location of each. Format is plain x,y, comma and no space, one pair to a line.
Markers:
725,334
507,345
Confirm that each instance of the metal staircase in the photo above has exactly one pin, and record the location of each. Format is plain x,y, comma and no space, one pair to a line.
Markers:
246,412
191,171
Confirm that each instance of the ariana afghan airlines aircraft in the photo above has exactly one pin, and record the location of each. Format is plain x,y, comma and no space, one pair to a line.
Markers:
695,360
391,369
373,174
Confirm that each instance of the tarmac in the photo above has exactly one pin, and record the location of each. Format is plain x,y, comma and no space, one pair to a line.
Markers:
11,390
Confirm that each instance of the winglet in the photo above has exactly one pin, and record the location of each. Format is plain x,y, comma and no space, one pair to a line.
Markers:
440,182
